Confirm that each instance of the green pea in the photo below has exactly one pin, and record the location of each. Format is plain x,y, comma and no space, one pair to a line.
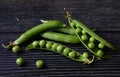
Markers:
49,45
35,44
66,51
16,49
91,45
78,30
85,55
54,46
60,48
83,32
92,39
42,43
84,37
77,25
100,53
72,54
19,61
39,63
73,24
101,46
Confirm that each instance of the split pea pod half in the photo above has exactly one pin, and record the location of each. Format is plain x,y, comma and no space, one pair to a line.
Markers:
60,37
29,34
88,38
61,49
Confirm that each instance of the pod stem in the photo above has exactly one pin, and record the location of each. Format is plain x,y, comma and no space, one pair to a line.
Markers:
68,15
87,61
9,46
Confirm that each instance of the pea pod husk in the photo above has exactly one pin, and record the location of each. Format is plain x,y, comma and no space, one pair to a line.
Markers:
76,24
93,34
80,59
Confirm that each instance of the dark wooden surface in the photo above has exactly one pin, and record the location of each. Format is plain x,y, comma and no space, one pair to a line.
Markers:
17,16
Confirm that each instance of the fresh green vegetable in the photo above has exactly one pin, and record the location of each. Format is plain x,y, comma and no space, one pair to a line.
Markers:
16,49
29,34
60,37
89,44
63,50
20,61
39,63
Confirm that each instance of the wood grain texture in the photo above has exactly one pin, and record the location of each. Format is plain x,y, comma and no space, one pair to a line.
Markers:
17,16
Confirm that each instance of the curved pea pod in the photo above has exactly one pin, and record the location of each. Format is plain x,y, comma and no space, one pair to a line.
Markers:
60,37
29,34
89,43
61,49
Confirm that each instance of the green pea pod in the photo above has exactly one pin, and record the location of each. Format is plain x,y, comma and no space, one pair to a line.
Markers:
60,37
29,34
94,35
61,49
83,33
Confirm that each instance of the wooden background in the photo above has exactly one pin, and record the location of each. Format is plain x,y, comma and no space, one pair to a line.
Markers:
17,16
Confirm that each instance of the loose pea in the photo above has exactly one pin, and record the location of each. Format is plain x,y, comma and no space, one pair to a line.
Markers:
101,46
85,55
78,30
42,43
91,45
19,61
66,51
54,46
72,54
35,44
60,48
16,49
48,45
84,37
92,39
39,63
100,53
83,32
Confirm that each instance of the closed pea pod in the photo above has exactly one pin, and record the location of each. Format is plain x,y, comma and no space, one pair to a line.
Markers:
63,50
60,37
35,31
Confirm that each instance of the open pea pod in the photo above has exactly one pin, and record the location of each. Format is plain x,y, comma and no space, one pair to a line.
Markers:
93,42
61,49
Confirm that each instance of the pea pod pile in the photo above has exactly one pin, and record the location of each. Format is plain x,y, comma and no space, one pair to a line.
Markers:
54,31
